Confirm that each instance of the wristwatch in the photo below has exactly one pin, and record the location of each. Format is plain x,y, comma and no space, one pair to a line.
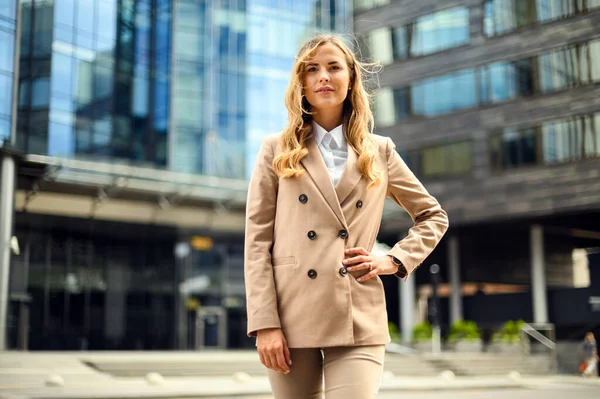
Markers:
398,262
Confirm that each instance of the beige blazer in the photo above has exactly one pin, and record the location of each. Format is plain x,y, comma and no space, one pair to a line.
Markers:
297,230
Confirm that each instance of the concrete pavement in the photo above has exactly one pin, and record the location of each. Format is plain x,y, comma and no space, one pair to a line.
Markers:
68,376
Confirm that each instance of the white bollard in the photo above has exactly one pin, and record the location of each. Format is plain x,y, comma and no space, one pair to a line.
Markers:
155,379
54,380
514,375
447,375
241,377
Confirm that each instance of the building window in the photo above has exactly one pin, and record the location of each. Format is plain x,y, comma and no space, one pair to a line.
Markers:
425,35
364,5
494,83
440,31
450,159
551,142
444,94
503,16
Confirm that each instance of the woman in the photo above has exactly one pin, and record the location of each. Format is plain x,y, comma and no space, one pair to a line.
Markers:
315,301
590,356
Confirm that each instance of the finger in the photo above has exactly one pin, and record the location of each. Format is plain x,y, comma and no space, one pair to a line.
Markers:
287,354
275,362
368,276
357,250
357,259
281,361
361,266
267,361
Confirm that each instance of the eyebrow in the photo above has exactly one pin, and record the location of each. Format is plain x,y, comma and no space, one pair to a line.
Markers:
314,64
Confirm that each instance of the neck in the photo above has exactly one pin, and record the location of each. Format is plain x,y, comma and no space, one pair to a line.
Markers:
329,119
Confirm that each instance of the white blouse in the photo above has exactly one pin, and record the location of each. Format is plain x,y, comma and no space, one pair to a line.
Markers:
333,148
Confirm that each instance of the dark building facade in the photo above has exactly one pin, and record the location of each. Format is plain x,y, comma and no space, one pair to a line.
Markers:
495,105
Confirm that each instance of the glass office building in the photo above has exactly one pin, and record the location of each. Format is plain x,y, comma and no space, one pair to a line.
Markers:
8,15
187,88
493,104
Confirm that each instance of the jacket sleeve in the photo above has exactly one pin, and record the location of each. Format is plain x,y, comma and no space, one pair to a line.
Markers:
261,298
430,220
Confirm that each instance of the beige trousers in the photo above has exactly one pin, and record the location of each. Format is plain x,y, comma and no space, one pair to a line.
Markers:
343,372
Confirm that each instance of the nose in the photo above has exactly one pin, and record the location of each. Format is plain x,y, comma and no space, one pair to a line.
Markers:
324,77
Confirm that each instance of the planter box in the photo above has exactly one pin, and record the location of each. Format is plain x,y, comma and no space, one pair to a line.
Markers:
506,348
466,346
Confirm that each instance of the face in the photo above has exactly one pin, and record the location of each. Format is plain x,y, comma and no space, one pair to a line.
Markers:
326,79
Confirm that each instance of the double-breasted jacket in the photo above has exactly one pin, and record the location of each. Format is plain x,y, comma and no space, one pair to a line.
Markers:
297,230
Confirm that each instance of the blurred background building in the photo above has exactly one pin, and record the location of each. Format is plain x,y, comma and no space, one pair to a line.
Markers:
495,105
137,123
133,125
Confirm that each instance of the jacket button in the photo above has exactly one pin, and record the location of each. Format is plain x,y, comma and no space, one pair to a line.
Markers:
303,198
343,234
312,235
343,271
359,204
312,273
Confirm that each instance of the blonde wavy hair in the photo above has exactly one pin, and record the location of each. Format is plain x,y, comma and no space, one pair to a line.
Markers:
357,118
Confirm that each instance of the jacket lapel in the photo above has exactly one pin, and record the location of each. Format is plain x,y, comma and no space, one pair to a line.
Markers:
350,177
316,168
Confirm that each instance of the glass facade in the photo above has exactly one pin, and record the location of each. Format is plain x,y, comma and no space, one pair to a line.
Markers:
8,13
425,35
161,83
502,16
494,83
363,5
94,286
555,141
275,32
94,79
448,159
188,85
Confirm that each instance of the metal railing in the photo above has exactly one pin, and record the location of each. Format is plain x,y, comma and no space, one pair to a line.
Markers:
532,331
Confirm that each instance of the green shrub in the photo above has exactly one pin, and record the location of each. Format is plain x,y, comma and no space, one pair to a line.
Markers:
464,330
422,332
510,333
394,332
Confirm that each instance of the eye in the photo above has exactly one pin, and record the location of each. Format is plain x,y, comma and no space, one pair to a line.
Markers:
336,67
311,69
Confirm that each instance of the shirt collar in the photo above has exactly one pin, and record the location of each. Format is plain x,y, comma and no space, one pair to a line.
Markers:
337,134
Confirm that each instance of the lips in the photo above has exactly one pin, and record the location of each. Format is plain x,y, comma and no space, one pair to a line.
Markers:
325,89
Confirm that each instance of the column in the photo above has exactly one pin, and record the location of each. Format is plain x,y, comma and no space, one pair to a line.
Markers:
538,277
456,306
407,308
7,192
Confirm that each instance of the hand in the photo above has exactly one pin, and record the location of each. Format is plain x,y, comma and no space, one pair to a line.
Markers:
361,259
273,350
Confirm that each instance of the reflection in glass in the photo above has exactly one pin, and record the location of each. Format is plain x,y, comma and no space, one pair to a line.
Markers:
5,95
502,16
64,14
449,159
7,48
62,73
426,35
40,96
441,30
498,82
61,141
445,94
42,28
363,5
555,141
